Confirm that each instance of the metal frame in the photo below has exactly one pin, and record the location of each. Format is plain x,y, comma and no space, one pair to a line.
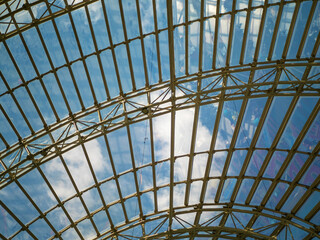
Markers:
30,152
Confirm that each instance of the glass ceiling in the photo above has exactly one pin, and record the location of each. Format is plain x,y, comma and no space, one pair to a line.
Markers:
159,119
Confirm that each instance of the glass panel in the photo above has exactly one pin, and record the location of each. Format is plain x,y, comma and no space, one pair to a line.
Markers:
236,162
55,95
294,167
9,225
82,82
309,204
312,173
132,207
58,219
178,12
250,122
21,57
237,37
244,190
28,108
179,50
207,117
124,71
225,6
210,7
54,170
96,79
13,113
38,190
297,121
193,45
161,136
208,41
147,201
254,26
181,166
161,7
228,187
101,221
86,229
228,121
183,124
312,137
151,57
284,26
70,234
223,37
268,30
67,37
35,47
163,173
212,187
260,192
299,28
273,120
52,43
83,31
137,63
146,13
18,203
92,199
312,34
69,89
163,198
275,163
195,191
41,229
75,208
293,199
164,55
127,184
199,166
113,13
42,101
110,191
98,25
218,161
276,195
119,145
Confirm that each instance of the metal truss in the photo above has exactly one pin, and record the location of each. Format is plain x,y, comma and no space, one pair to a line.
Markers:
190,90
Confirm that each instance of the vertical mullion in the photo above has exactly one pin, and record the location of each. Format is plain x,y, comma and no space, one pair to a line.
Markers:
186,38
216,35
60,204
133,163
272,149
127,45
292,26
84,63
233,13
263,18
306,29
68,65
115,174
201,37
98,53
245,34
78,192
142,45
157,38
112,47
21,77
54,73
275,31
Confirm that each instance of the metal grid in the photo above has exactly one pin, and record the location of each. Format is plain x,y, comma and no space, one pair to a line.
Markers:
218,85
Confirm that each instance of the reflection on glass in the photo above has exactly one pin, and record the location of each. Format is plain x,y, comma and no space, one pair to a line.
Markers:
275,163
222,43
237,37
244,190
276,195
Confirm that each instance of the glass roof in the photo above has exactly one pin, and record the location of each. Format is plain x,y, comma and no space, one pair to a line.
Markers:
159,119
